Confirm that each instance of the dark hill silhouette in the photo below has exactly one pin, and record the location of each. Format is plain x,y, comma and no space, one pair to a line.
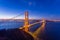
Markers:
14,34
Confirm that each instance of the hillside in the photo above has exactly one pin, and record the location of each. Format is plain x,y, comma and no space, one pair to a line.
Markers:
14,34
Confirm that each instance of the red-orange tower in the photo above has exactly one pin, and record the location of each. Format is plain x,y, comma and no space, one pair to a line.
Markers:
26,22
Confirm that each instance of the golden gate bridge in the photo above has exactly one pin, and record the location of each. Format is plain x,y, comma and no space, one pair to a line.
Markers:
26,26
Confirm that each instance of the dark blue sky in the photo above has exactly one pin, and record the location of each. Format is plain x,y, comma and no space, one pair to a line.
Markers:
48,9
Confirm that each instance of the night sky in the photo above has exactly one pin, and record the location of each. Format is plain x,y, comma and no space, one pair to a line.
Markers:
48,9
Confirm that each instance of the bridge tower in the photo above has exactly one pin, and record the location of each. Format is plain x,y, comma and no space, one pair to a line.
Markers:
26,21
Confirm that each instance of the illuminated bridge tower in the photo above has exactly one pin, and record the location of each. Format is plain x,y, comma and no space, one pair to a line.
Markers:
26,22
